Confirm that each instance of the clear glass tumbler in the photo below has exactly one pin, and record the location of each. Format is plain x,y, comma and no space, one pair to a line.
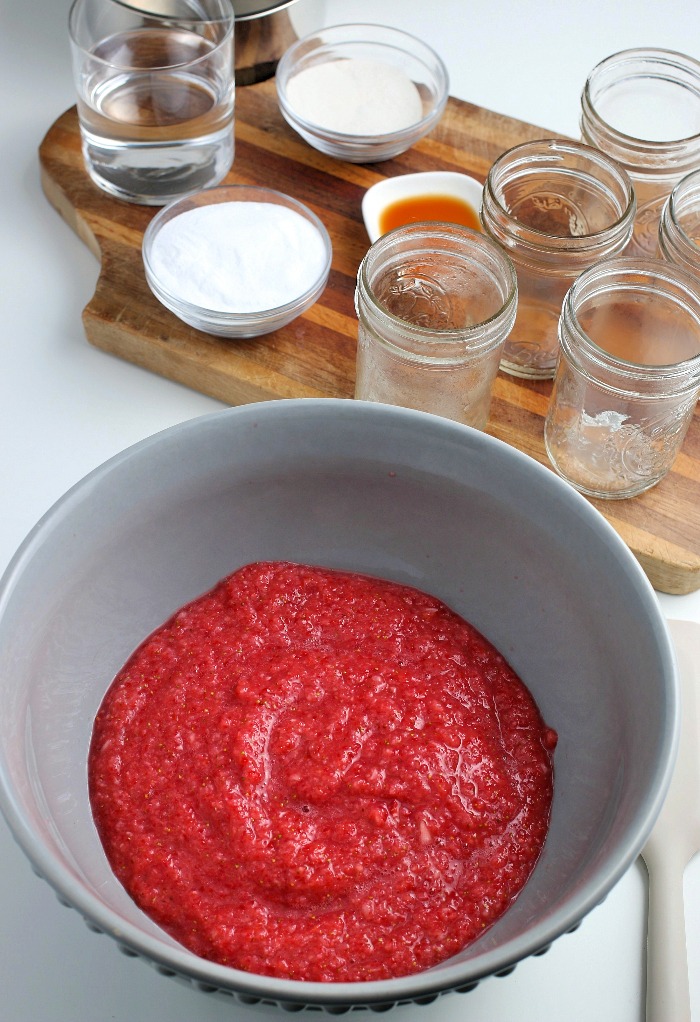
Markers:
155,95
435,303
642,107
556,207
628,376
679,228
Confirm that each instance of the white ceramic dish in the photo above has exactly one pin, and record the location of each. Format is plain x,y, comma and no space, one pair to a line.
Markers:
359,486
431,182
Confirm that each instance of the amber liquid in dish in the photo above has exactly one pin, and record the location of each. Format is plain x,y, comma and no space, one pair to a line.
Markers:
438,208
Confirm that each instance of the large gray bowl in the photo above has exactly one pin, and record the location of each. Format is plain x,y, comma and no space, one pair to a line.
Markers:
365,487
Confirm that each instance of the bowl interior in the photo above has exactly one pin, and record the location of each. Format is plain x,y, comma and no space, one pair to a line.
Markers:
389,492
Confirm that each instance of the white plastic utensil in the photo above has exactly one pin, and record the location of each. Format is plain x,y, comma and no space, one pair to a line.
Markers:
671,845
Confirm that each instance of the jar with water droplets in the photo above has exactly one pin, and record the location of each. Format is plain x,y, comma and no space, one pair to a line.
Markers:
435,303
556,207
628,376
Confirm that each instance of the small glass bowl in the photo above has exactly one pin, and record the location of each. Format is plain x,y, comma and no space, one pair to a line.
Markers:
226,323
379,43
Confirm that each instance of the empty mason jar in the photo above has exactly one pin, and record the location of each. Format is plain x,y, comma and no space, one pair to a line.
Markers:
679,229
642,107
628,376
556,207
435,303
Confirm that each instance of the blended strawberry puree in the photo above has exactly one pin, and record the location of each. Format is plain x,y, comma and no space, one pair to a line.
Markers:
321,776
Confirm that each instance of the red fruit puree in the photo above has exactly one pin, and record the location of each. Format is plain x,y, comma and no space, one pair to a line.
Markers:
320,776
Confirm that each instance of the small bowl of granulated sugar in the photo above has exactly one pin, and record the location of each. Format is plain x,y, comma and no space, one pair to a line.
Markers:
237,261
361,93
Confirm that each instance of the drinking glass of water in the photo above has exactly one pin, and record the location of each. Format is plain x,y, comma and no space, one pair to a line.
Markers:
155,88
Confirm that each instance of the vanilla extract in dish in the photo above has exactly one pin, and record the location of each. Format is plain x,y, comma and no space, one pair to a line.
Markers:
432,207
321,776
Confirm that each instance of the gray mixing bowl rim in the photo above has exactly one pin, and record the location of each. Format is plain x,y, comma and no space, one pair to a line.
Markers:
418,986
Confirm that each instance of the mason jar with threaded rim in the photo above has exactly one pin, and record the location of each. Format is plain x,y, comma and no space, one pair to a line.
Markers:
557,207
435,303
679,228
641,106
628,376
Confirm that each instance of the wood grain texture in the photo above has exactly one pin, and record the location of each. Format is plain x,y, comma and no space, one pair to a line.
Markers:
315,355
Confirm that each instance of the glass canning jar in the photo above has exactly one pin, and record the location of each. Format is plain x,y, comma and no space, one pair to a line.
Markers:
642,107
557,207
628,376
679,228
435,303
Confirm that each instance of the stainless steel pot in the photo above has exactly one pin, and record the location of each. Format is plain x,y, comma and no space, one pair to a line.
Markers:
264,30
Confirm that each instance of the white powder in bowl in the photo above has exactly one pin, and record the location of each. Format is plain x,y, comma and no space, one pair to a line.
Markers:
355,96
238,256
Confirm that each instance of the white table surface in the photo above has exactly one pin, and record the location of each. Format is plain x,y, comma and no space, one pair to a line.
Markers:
67,407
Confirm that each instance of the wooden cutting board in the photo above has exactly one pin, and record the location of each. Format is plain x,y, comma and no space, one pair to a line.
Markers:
315,355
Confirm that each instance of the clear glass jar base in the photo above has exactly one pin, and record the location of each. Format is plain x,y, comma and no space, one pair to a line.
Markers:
599,492
526,372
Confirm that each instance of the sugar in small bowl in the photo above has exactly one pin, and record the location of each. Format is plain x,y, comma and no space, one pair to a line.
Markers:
361,93
237,261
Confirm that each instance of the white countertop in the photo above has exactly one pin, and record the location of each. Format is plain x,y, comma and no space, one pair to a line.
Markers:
67,407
